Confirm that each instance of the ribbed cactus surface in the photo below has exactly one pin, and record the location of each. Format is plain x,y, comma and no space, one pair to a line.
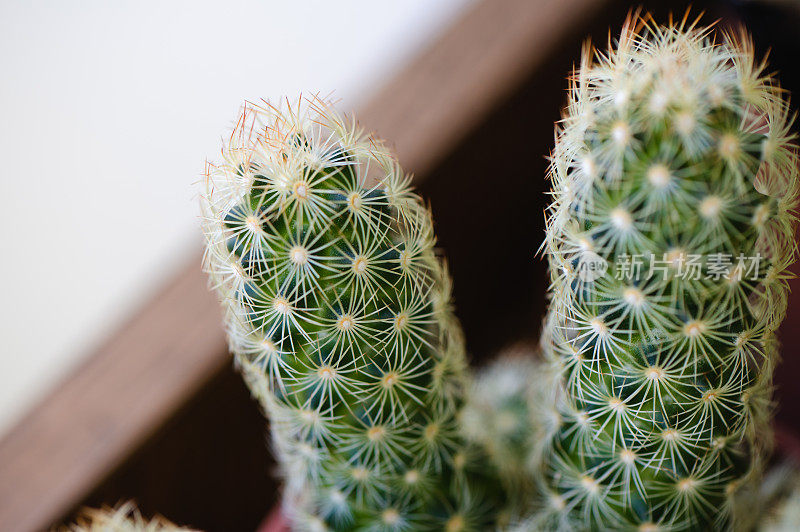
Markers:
338,312
674,179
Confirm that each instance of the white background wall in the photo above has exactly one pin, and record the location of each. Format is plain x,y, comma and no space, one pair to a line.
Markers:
107,112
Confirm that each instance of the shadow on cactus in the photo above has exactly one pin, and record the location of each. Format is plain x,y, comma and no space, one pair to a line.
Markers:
338,313
669,236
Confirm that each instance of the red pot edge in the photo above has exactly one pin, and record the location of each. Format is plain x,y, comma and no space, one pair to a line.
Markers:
275,521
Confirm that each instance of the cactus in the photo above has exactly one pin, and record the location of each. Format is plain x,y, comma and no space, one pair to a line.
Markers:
124,518
498,417
338,313
675,154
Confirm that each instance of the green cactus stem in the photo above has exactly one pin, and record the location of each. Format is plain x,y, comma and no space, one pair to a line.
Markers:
675,154
338,313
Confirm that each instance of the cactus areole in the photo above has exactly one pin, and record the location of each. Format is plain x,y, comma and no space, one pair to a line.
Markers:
338,312
671,228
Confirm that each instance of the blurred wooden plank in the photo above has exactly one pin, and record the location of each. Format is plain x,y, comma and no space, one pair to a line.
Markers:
111,404
448,90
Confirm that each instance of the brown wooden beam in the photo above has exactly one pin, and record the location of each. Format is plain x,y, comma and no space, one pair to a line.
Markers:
449,89
110,404
126,390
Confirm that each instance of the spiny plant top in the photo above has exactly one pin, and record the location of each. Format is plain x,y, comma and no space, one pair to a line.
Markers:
339,313
669,235
124,518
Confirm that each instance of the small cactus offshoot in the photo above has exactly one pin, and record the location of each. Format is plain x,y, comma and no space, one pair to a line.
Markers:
498,417
671,229
338,312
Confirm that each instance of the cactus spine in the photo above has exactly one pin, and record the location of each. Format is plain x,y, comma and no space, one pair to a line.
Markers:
338,312
674,150
123,518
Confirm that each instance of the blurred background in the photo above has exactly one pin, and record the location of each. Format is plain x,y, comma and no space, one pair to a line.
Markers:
108,111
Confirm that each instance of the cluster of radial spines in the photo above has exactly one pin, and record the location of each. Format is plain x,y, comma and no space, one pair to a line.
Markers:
674,145
339,314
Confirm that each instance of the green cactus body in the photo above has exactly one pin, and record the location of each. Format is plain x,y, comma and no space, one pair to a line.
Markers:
675,152
338,313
